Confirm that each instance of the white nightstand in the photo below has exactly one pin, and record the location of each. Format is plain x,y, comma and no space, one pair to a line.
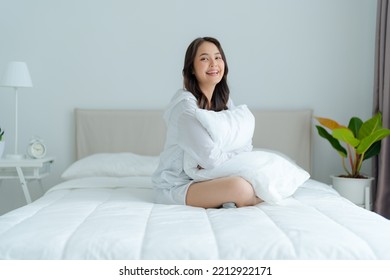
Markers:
25,169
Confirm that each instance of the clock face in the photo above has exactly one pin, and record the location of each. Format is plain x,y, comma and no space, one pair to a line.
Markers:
37,150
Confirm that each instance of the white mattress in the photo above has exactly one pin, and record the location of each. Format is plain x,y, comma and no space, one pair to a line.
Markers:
115,218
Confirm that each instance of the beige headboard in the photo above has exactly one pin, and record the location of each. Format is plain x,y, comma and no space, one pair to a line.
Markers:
143,132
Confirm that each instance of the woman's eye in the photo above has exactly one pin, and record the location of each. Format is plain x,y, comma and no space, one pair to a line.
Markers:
203,59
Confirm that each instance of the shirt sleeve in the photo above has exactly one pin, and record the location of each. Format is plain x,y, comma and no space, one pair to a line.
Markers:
195,140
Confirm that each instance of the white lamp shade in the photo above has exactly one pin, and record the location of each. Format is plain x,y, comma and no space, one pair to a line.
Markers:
16,75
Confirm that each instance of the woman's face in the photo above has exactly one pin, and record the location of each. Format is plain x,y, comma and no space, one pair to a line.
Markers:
209,66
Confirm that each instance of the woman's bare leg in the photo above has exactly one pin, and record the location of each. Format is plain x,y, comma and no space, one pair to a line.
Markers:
213,193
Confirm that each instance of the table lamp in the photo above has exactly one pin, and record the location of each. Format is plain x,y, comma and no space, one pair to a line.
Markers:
16,76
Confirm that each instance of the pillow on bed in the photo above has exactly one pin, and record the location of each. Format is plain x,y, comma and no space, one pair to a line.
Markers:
283,155
273,175
112,165
230,129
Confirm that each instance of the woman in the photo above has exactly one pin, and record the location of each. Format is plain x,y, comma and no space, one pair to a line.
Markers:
205,81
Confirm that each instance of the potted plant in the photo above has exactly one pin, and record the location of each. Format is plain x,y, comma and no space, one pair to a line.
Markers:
361,141
2,143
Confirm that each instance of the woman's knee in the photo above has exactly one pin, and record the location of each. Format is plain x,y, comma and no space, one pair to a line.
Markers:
244,192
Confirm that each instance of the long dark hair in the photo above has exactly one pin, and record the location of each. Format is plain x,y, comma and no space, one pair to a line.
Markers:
221,91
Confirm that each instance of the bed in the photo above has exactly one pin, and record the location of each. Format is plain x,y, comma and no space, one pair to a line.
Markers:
104,208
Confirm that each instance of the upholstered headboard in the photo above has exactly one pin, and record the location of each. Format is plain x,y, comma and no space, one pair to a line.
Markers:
143,132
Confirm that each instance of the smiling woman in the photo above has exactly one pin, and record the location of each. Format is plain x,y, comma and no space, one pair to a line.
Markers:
205,80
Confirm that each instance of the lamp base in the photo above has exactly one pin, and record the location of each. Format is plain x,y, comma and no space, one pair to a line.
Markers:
15,157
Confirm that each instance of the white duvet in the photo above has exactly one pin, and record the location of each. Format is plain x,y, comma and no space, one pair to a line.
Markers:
115,218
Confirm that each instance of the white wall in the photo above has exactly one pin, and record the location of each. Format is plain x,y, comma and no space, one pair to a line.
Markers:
314,54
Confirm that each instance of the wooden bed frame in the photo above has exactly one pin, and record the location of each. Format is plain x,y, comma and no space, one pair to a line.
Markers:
143,132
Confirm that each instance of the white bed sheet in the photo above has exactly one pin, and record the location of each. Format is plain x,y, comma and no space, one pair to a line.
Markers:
115,218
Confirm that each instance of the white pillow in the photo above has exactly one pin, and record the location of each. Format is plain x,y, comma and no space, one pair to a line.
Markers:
255,149
273,176
112,165
230,129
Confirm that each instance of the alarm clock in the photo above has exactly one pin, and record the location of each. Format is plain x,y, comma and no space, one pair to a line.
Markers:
36,148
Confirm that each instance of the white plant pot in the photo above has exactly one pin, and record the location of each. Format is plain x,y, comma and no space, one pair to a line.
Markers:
2,146
356,190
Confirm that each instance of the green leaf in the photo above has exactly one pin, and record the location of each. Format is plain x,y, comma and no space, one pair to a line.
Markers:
346,135
371,125
376,136
354,125
334,142
373,150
